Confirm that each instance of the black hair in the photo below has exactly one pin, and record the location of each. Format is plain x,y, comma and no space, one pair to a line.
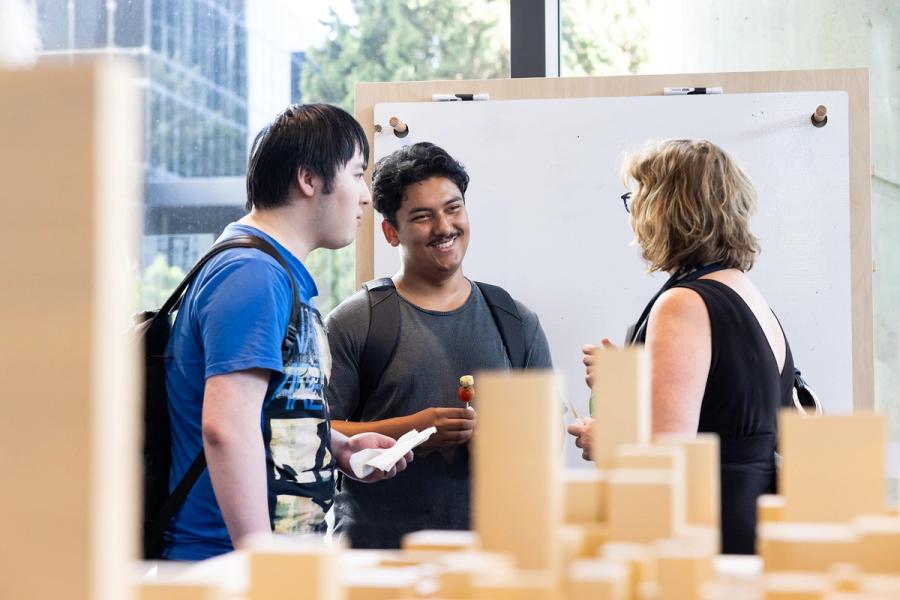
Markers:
321,137
409,165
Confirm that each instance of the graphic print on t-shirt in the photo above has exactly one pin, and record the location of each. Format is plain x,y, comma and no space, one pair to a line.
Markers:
298,435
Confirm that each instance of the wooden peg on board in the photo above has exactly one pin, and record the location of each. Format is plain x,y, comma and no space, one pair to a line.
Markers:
401,129
820,117
378,128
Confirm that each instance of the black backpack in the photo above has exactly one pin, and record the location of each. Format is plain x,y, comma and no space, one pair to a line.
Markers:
384,332
153,328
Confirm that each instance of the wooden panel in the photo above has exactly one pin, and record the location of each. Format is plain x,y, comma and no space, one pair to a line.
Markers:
300,569
516,508
177,591
640,560
585,495
829,453
631,494
621,402
703,486
683,569
70,170
852,81
597,579
806,546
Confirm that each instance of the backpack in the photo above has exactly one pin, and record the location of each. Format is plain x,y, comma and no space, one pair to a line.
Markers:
384,332
152,329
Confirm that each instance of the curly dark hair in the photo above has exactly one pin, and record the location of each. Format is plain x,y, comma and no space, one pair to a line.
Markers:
409,165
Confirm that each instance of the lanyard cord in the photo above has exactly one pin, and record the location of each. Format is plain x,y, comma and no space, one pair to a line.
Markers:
638,331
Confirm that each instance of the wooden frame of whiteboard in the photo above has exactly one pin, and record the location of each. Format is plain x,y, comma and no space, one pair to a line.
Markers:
855,82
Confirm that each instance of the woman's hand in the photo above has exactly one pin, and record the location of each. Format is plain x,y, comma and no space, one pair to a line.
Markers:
587,357
583,430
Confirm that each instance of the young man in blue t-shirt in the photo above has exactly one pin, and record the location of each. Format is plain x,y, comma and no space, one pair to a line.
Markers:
263,422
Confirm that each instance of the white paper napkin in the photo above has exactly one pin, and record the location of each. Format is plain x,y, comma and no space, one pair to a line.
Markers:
364,462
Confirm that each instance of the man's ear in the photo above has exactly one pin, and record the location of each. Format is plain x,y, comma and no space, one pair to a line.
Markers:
390,233
307,182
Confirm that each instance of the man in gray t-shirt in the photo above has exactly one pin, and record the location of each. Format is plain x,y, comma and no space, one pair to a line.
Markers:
446,331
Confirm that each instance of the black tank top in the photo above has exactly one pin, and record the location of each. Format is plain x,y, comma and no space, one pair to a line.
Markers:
744,392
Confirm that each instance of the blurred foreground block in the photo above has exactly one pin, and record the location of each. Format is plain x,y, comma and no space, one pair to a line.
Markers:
621,402
833,466
517,496
70,169
304,569
585,495
440,540
177,591
702,473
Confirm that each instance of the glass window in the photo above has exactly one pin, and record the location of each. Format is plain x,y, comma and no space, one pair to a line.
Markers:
91,24
396,40
131,23
53,24
216,71
603,37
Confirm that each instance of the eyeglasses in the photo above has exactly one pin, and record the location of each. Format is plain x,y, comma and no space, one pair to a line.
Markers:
625,198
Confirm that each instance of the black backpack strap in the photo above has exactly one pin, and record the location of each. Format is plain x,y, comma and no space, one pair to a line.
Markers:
381,339
509,322
384,332
153,536
239,241
156,528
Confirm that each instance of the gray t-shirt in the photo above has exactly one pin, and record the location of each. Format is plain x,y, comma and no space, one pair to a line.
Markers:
433,351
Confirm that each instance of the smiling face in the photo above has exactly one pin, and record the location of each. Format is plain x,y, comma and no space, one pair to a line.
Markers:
432,229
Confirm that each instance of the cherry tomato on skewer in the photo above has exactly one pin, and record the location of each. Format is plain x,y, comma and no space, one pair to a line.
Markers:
466,391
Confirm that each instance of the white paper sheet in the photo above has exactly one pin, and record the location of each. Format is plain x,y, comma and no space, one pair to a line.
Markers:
364,462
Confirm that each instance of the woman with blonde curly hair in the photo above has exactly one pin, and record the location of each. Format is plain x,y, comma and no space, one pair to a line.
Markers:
719,359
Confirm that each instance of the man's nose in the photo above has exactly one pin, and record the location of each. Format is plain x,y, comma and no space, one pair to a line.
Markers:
443,225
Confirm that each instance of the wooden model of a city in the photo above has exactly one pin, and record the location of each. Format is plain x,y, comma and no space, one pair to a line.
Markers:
642,525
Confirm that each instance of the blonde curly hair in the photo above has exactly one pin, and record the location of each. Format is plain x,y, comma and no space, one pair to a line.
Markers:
691,206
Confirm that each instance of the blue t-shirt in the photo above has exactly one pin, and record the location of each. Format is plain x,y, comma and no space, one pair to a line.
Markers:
234,317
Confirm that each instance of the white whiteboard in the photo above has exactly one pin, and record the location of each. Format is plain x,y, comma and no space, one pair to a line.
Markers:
547,222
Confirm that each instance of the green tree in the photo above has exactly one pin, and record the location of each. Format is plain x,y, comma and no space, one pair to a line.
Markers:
335,274
603,37
398,40
158,281
416,40
404,40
